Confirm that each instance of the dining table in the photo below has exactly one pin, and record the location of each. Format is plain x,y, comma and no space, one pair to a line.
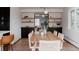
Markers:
49,36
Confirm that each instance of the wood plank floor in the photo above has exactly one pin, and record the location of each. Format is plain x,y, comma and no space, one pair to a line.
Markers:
23,45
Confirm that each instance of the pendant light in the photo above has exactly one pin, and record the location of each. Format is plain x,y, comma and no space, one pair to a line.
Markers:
45,11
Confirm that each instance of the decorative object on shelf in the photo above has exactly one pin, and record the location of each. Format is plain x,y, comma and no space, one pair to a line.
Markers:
58,23
45,12
25,17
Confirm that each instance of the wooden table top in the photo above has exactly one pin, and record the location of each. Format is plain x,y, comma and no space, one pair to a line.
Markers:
48,36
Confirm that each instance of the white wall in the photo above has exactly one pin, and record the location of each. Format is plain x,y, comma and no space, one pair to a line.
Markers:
71,35
2,32
15,23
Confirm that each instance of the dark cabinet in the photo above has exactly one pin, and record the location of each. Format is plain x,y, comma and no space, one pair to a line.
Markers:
25,31
4,18
58,29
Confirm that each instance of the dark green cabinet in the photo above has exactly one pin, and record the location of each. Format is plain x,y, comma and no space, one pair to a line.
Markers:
58,29
25,31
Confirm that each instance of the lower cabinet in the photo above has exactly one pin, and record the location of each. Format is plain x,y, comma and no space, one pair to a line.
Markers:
25,31
58,29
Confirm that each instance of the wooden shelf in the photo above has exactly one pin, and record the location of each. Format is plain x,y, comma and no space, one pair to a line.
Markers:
27,21
27,18
55,18
54,21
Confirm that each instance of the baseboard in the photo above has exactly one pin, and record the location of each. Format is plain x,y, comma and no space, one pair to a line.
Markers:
72,42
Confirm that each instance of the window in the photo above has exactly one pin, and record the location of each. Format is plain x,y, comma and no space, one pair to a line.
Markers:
74,14
73,19
77,18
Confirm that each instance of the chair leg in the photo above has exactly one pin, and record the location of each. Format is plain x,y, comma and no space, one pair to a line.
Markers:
5,47
33,49
1,47
11,47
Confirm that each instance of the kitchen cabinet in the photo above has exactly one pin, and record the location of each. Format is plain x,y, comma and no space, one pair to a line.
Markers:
58,29
25,31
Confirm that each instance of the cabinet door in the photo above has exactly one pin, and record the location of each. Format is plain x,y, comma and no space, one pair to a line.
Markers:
4,18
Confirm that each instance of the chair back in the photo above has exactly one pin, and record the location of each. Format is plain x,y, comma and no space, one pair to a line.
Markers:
0,42
29,38
7,39
30,35
49,45
55,33
61,36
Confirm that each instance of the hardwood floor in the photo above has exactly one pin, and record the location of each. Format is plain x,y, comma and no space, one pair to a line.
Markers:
23,45
69,47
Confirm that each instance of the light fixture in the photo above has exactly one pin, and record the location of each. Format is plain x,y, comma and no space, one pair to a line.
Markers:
45,11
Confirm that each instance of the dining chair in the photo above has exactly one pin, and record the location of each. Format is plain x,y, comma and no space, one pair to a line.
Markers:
29,37
7,40
61,36
31,44
49,45
1,45
55,32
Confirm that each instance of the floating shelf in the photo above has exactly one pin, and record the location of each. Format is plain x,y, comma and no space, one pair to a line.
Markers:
55,18
27,18
27,21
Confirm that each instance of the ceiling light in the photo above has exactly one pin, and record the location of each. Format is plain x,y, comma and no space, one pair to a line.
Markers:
45,12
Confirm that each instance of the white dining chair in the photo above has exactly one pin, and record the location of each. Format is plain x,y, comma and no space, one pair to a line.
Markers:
61,36
29,37
30,42
55,32
49,45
